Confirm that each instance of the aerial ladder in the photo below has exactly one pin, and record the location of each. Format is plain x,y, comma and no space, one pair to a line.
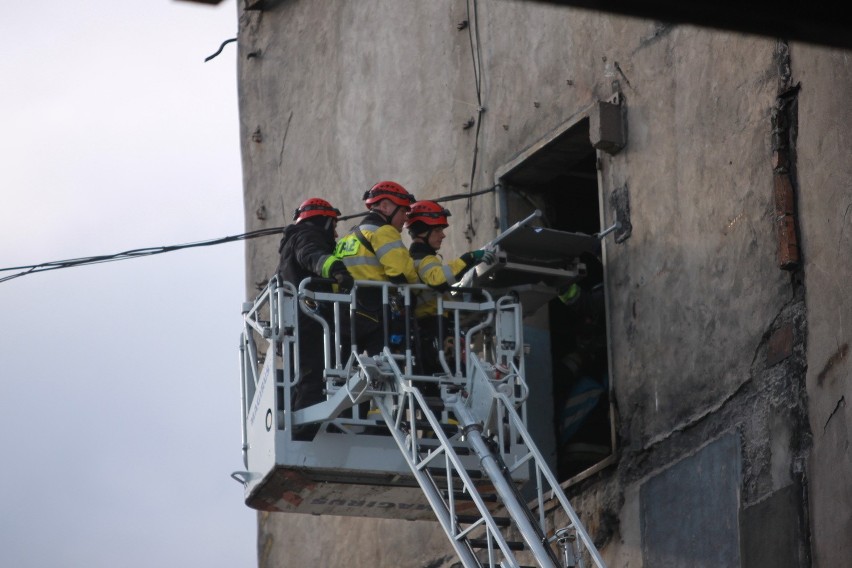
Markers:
451,446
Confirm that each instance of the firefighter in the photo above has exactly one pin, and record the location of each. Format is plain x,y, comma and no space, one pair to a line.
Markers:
305,251
581,378
426,223
373,250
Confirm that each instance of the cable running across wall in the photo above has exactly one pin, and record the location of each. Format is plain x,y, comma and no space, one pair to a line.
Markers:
28,269
476,55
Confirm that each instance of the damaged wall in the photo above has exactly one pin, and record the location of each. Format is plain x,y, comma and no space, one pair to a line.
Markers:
711,340
825,209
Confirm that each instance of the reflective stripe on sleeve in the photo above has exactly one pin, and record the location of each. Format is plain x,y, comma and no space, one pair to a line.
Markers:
324,264
361,261
386,248
448,274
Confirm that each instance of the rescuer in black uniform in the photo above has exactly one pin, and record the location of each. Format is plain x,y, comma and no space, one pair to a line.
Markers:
305,251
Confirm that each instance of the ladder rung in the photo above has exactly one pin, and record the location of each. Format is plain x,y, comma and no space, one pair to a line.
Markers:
483,543
463,496
447,428
442,472
459,450
470,519
426,428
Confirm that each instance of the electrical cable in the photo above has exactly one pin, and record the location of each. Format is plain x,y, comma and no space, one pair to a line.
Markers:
466,195
476,55
221,47
27,269
134,253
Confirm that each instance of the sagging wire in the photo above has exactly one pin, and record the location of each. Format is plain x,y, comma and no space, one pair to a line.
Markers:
135,253
467,195
27,269
453,197
221,47
352,216
476,55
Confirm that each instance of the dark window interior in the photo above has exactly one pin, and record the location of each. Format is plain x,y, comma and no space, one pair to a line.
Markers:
561,181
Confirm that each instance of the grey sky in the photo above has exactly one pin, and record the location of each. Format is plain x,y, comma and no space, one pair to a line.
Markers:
119,393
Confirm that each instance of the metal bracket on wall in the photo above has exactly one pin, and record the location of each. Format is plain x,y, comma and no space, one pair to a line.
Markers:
619,200
608,124
614,227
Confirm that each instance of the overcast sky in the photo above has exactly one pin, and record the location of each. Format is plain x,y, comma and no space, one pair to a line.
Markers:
119,382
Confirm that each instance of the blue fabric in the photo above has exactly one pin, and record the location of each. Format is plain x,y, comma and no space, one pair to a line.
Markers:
582,398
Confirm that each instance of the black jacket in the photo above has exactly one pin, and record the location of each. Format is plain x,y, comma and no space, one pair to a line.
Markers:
304,249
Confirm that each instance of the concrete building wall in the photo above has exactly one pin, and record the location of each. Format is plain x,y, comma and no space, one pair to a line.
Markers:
716,351
825,206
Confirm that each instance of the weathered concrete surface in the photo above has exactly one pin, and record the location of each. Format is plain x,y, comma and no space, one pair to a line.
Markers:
708,335
701,259
286,541
771,536
825,206
674,526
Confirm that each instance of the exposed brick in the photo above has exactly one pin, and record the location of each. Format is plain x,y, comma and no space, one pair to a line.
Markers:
788,245
783,195
780,345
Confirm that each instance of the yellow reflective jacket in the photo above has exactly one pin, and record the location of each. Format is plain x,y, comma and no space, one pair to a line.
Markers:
381,255
434,272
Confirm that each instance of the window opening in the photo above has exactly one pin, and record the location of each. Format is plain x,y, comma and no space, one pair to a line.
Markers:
560,179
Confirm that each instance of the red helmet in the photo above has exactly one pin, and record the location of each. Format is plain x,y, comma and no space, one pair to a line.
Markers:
313,207
388,190
427,212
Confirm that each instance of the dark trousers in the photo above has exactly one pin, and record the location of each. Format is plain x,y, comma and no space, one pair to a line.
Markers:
309,389
311,386
369,332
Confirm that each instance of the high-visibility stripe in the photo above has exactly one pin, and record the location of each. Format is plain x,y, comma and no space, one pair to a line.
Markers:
379,255
386,248
324,264
448,274
361,261
423,269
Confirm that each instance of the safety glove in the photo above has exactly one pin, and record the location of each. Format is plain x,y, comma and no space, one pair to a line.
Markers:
569,294
480,255
345,282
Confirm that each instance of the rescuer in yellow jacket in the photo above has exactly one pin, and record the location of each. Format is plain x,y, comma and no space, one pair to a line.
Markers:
426,223
373,250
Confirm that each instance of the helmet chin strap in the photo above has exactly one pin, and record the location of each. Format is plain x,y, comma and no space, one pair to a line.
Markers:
388,218
424,237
